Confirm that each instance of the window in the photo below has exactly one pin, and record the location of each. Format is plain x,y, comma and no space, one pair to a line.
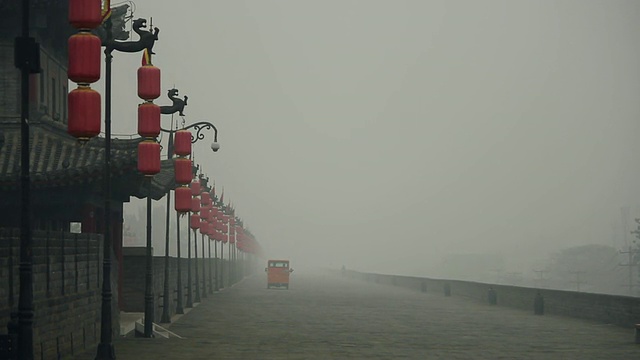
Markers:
279,264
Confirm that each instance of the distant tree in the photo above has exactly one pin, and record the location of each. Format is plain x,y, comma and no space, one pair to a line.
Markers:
592,268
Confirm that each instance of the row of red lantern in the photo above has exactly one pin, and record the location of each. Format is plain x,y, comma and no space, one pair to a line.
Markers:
148,117
84,69
213,222
182,170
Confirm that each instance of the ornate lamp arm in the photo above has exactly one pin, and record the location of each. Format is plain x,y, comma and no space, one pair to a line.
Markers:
199,126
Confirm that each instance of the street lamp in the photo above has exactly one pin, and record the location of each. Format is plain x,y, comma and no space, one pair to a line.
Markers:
199,127
194,223
146,42
27,59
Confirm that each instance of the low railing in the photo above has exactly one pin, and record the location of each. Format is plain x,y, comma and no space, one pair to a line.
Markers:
610,309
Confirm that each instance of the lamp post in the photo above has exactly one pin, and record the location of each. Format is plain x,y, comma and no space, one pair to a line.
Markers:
199,127
204,231
194,192
146,41
177,106
27,59
210,261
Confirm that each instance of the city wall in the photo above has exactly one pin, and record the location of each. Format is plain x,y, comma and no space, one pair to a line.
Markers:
609,309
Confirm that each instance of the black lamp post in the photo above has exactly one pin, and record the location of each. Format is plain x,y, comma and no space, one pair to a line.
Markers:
178,106
148,291
216,266
222,258
195,263
146,41
210,265
205,188
194,170
27,59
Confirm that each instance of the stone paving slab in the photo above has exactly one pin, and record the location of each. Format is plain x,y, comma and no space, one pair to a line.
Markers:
328,317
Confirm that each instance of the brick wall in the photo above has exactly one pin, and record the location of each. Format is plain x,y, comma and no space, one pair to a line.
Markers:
133,287
609,309
67,278
9,82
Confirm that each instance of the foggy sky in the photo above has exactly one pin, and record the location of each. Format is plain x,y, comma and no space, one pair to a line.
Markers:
384,135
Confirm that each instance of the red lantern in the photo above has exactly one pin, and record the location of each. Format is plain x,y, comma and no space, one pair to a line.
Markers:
148,120
203,227
183,199
149,157
204,213
194,221
206,199
84,58
195,205
195,188
182,168
85,14
148,82
84,113
183,143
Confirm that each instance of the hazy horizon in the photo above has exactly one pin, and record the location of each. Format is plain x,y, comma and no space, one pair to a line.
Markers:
387,135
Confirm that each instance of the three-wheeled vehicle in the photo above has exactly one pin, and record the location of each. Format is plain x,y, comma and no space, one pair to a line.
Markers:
278,273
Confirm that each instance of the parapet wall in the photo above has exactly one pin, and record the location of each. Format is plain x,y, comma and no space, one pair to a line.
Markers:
67,278
610,309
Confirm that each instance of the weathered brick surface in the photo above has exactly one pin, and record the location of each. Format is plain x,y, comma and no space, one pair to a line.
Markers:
67,275
323,316
609,309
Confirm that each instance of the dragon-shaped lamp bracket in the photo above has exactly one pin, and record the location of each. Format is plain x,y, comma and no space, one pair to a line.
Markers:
177,103
146,41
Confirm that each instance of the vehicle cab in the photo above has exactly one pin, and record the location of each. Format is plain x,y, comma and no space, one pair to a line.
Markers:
278,272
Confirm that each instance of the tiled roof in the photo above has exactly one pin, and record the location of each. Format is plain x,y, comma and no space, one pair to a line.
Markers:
57,160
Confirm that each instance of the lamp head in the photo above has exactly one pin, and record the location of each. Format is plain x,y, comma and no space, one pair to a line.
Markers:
215,146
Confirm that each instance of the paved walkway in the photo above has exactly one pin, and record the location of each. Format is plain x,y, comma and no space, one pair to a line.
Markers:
327,317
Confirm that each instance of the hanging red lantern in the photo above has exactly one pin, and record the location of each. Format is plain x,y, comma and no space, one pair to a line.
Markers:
149,157
214,211
206,199
182,199
84,58
148,82
203,227
84,113
195,205
204,212
182,143
195,188
148,120
182,169
85,14
194,221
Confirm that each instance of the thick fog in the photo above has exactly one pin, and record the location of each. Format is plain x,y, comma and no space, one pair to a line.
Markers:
390,136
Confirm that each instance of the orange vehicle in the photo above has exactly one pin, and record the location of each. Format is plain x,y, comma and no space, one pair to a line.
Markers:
278,273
